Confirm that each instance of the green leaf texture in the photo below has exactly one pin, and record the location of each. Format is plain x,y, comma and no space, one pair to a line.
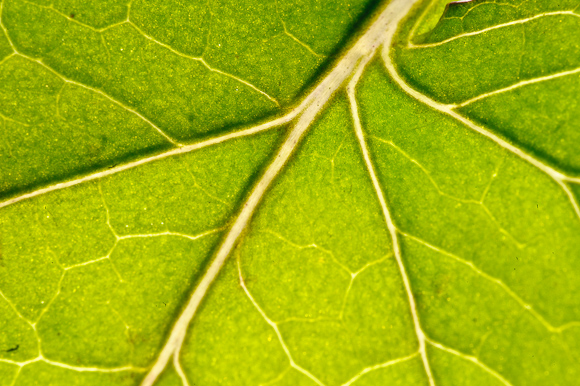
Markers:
289,193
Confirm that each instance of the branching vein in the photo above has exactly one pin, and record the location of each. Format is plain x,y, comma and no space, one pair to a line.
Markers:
206,65
380,366
308,48
479,203
313,103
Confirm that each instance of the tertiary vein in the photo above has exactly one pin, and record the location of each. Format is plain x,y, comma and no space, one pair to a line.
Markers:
526,306
274,326
472,359
128,21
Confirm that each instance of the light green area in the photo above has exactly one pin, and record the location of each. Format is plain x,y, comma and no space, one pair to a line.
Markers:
518,234
333,326
93,276
321,193
8,373
84,289
500,332
211,180
148,309
366,335
169,377
85,294
550,236
63,233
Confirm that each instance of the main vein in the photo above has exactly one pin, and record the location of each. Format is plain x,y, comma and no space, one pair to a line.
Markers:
315,101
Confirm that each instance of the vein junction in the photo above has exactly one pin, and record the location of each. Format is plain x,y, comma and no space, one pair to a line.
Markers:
292,363
315,101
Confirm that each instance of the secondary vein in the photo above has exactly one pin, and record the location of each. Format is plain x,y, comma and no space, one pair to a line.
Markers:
388,219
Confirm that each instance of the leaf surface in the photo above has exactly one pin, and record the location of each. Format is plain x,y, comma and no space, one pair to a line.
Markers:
289,193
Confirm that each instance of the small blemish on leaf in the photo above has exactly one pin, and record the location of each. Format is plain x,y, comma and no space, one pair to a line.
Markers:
13,348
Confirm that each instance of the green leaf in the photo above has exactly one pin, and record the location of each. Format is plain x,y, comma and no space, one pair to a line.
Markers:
289,193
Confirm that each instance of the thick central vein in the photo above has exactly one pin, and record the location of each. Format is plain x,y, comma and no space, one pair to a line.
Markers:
317,99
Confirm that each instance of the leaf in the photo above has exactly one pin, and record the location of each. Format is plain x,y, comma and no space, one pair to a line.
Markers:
289,193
